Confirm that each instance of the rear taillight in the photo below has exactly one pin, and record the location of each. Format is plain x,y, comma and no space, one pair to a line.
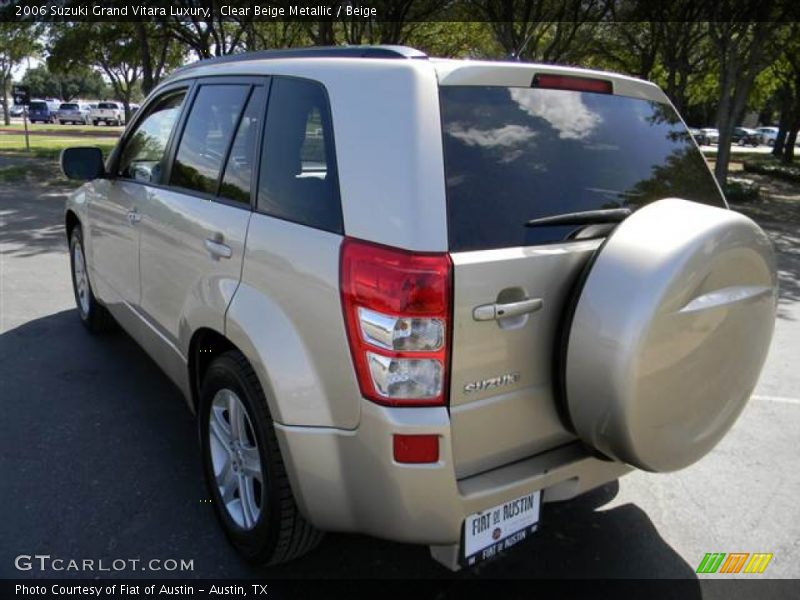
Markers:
397,311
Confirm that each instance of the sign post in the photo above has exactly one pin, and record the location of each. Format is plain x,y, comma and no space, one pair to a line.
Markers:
22,97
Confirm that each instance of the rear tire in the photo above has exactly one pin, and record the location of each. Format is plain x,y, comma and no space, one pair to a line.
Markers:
259,514
94,315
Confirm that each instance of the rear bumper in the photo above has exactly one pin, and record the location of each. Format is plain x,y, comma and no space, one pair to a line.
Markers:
347,480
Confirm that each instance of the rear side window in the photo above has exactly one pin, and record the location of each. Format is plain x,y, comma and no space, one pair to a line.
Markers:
208,131
298,179
515,154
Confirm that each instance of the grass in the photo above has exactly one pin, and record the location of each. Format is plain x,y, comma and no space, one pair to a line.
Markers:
50,147
773,167
65,129
13,174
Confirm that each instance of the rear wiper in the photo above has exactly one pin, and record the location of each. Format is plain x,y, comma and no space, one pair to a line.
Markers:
587,217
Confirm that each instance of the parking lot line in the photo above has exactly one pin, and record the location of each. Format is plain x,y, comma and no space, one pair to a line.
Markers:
782,399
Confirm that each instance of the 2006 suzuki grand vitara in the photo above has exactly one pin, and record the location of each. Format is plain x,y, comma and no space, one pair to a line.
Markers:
417,298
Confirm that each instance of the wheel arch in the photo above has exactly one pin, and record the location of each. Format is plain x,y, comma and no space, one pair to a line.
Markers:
71,219
205,345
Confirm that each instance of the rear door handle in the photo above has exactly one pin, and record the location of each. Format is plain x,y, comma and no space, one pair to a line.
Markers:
493,312
218,250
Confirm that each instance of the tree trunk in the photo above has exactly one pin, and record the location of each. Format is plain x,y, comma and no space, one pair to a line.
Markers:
791,140
4,94
725,130
147,63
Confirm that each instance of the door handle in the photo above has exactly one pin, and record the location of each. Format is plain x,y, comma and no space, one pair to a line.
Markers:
493,312
218,250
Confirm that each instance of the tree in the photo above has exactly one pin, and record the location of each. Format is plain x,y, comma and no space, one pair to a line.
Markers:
743,47
110,47
17,42
215,36
544,30
77,82
786,71
159,50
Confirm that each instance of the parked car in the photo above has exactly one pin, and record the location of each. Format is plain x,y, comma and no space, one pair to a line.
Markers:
108,113
43,111
16,111
73,112
767,135
428,324
745,137
707,136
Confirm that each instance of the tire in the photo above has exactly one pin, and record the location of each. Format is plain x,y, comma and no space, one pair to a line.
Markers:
94,315
94,123
275,531
671,387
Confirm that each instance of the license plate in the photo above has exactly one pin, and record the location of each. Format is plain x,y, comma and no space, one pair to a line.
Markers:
491,531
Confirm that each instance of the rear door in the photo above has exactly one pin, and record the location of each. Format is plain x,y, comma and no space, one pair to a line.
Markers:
193,229
513,154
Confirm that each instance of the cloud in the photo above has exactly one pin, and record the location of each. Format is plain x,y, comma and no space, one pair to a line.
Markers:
503,137
565,111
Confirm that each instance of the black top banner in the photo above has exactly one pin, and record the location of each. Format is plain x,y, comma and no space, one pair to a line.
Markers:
199,11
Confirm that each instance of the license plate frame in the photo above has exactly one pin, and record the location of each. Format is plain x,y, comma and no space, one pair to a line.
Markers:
486,533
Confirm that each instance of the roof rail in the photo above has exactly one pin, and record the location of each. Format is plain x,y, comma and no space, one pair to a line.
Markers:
313,52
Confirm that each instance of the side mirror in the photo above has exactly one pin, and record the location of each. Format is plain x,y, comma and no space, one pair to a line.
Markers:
83,163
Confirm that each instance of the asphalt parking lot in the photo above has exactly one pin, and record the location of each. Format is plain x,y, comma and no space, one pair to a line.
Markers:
98,454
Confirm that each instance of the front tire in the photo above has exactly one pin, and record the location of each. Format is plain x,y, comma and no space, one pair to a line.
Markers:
244,471
94,315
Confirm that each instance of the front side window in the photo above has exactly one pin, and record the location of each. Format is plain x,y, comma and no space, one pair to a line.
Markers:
208,131
298,180
142,157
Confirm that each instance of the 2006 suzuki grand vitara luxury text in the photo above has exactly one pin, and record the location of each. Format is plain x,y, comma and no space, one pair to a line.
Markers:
417,298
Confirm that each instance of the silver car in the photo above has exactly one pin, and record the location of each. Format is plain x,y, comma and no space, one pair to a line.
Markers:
418,298
76,113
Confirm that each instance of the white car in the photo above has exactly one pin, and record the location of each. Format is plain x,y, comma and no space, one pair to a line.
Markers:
708,136
109,113
767,135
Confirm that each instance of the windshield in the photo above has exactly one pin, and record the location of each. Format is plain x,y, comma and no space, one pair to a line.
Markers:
515,154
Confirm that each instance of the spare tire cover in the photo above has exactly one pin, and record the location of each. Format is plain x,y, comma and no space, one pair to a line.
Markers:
669,333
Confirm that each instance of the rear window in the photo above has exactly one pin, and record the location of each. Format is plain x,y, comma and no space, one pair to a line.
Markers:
107,105
37,106
68,107
515,154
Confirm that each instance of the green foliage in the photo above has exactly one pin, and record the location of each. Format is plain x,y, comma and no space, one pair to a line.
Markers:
17,42
769,165
739,191
113,48
77,82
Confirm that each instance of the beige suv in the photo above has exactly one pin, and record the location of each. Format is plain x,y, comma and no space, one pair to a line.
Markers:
419,298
